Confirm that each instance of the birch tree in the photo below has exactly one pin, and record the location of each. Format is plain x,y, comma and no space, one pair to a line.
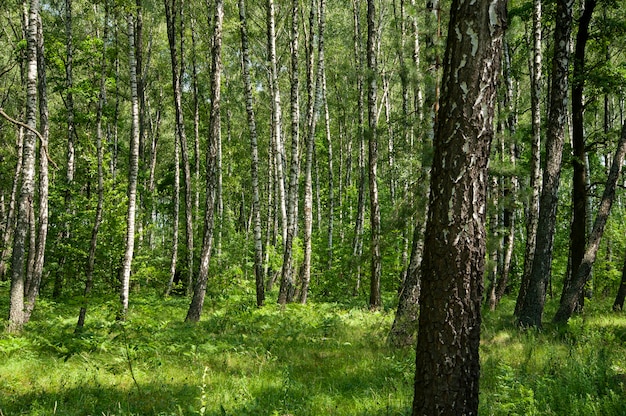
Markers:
447,362
531,310
133,170
17,317
199,290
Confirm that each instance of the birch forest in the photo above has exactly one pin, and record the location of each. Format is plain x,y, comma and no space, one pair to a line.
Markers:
311,207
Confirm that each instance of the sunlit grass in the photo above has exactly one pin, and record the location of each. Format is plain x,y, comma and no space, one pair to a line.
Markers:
317,359
239,360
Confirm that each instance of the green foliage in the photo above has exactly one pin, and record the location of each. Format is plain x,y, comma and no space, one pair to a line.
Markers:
577,370
239,360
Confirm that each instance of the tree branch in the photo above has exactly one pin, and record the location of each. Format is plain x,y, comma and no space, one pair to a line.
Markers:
26,126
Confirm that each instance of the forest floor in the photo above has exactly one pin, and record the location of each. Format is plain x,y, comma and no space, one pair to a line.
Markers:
315,359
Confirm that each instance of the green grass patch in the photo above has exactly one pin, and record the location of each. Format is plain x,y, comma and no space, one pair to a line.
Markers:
316,359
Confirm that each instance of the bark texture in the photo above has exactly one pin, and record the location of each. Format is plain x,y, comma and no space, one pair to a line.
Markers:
447,361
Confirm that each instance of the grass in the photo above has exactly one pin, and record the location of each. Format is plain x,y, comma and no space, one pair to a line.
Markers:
316,359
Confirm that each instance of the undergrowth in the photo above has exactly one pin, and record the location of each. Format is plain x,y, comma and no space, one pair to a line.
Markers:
316,359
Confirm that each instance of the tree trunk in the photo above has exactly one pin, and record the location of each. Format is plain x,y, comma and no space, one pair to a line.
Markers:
372,136
256,206
531,312
618,304
176,217
447,361
17,317
279,155
312,115
287,273
404,326
133,169
172,10
39,250
532,210
570,296
197,301
357,250
578,230
9,226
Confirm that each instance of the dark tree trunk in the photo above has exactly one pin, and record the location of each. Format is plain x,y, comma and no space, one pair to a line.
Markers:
199,290
532,210
571,294
578,231
256,206
531,311
375,301
447,362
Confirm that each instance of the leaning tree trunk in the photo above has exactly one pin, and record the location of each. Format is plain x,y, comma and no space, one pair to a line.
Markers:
133,170
570,296
27,192
375,301
199,290
531,311
256,205
404,326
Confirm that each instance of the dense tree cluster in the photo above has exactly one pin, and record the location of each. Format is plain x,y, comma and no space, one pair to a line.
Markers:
287,146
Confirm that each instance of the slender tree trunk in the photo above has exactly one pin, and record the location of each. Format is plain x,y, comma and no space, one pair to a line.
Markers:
256,206
176,217
447,361
133,170
93,244
532,210
172,11
197,301
509,184
404,326
17,317
196,121
329,145
531,312
276,117
357,251
39,249
569,299
287,273
578,230
9,226
375,301
312,116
